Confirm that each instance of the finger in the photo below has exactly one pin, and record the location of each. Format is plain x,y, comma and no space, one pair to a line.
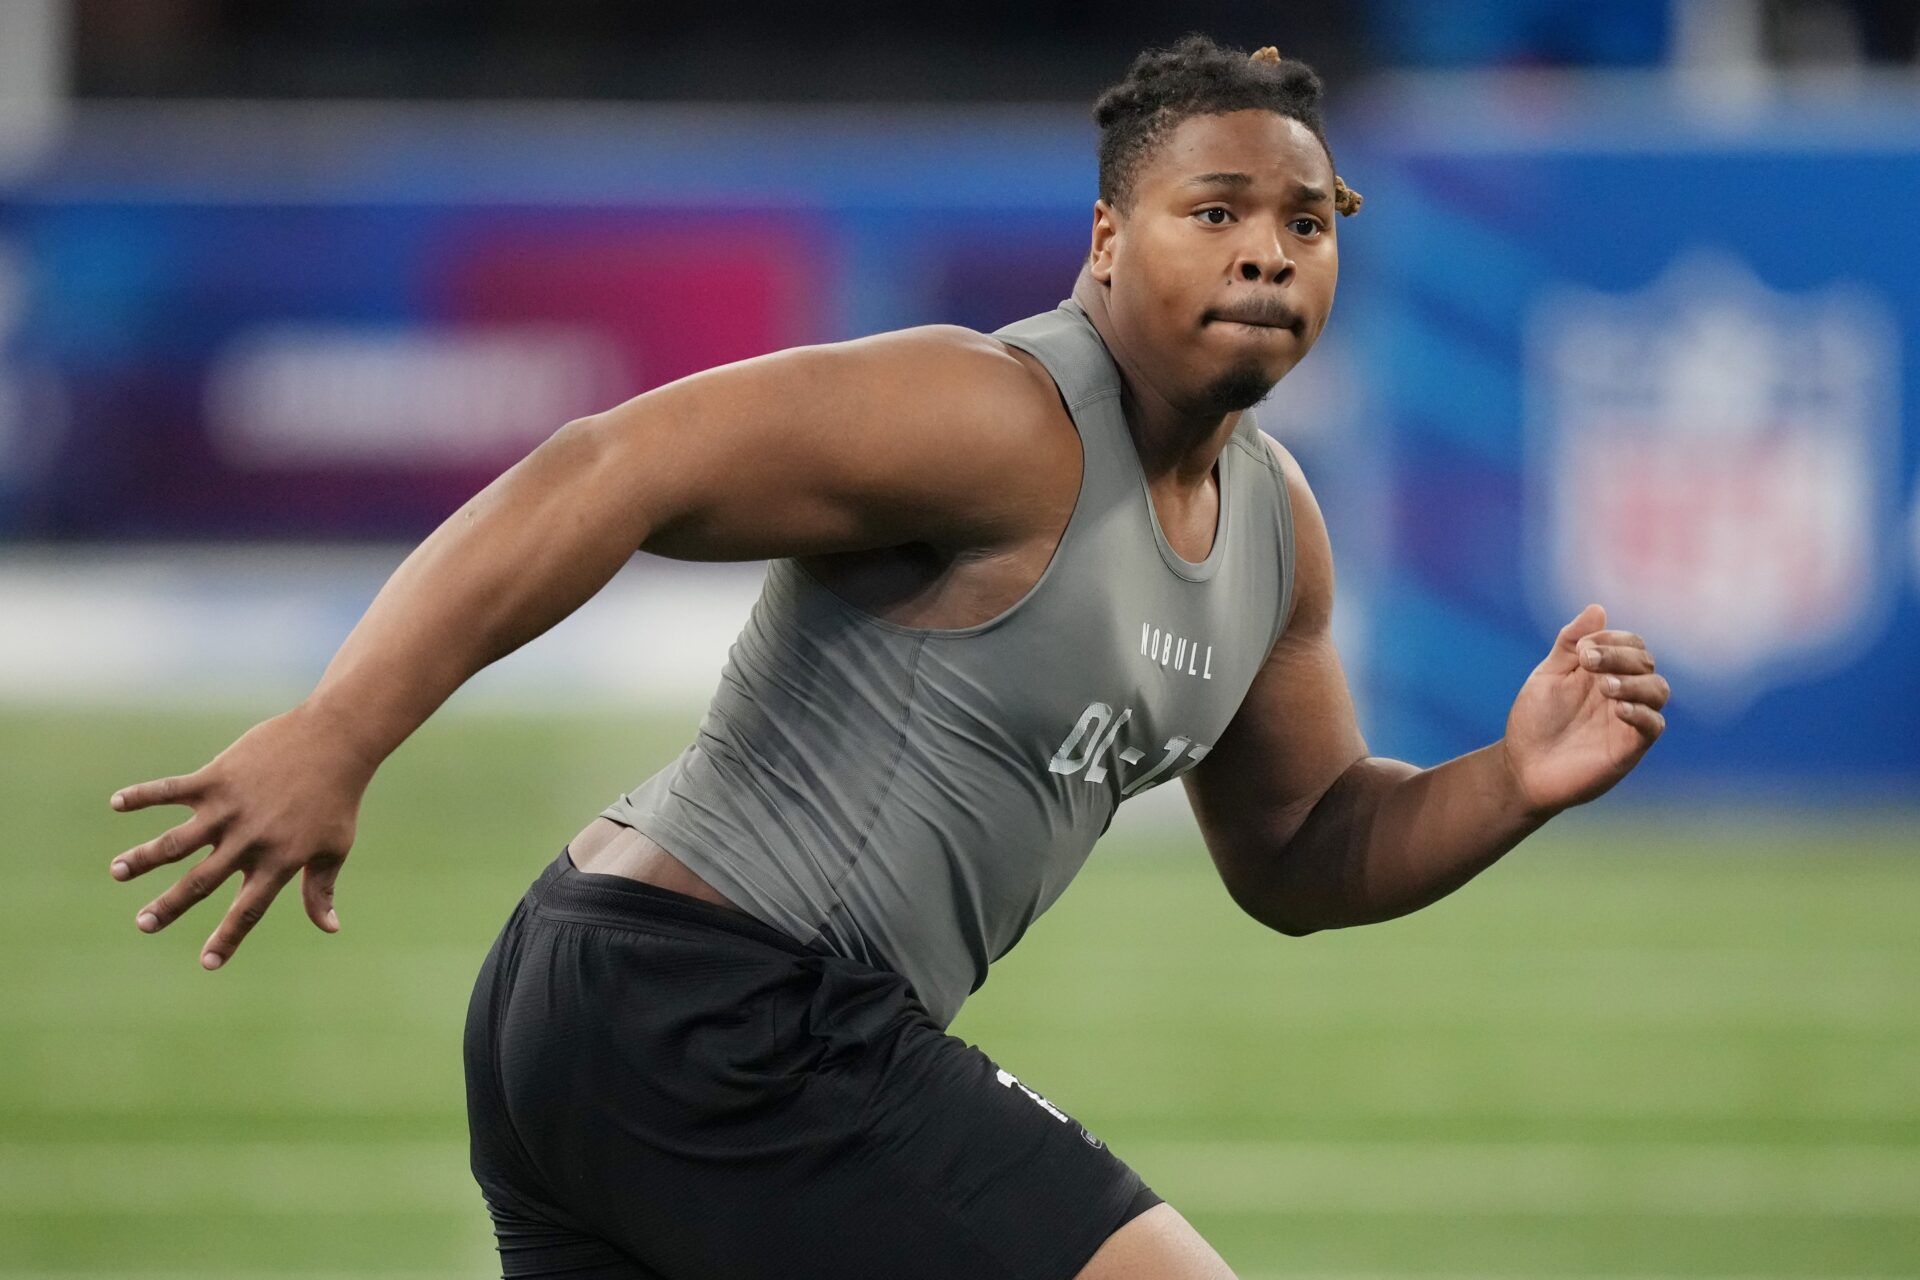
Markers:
316,891
143,795
204,877
1615,636
1649,690
1586,622
1649,722
249,908
169,846
1565,654
1619,659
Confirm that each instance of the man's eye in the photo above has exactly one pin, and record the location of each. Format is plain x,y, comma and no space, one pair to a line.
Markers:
1224,215
1306,226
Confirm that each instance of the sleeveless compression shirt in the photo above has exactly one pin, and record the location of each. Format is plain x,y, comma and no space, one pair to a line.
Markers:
914,798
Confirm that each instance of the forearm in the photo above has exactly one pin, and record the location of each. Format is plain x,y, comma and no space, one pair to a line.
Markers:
522,554
1387,839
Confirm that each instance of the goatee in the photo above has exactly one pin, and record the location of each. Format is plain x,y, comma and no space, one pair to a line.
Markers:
1240,387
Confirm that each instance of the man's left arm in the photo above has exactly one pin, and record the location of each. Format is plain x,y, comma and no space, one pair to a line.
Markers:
1310,832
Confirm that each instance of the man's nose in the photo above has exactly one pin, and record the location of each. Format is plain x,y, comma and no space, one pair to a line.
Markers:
1266,260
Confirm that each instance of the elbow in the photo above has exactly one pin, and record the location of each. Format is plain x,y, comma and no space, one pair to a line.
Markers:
593,471
576,448
590,432
1292,923
1281,917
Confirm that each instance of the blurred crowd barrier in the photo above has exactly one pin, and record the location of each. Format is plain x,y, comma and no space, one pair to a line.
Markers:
1597,339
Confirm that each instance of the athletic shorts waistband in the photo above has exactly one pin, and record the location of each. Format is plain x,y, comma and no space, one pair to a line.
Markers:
620,902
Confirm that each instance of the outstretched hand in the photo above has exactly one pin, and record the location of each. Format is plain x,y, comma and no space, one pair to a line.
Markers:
1585,716
282,800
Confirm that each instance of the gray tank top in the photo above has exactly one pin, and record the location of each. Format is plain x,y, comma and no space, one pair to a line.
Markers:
914,798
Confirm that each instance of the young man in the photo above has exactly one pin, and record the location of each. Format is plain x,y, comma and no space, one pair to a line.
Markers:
1016,579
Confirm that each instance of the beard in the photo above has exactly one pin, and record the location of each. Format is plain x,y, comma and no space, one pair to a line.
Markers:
1240,387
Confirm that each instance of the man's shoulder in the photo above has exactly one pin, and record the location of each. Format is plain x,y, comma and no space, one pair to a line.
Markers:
1278,456
1311,607
1281,460
986,396
991,378
971,429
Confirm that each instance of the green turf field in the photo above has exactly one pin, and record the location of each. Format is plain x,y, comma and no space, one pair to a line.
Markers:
1685,1047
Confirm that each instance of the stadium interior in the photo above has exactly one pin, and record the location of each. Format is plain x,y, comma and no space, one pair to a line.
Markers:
1632,314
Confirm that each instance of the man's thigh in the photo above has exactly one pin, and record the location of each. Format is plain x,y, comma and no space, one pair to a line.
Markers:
712,1112
916,1155
1024,1178
1160,1244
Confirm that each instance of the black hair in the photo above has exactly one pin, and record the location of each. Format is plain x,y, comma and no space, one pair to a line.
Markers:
1196,77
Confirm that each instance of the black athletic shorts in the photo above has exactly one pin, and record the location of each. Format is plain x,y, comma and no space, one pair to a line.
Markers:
665,1088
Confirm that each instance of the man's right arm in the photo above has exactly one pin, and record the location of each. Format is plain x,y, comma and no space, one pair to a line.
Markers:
905,437
925,435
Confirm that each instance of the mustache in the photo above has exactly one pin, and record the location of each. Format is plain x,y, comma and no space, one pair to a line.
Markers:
1271,312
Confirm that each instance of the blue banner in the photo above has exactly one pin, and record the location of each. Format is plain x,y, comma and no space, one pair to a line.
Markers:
1610,349
1670,370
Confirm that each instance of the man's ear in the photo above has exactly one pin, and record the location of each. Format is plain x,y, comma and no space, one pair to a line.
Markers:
1106,228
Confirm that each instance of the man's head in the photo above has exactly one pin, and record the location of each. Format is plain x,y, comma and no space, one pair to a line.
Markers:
1214,233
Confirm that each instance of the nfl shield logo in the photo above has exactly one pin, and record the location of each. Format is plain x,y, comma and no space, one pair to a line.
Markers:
1713,460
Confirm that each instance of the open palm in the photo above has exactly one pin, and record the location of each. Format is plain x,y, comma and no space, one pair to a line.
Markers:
281,801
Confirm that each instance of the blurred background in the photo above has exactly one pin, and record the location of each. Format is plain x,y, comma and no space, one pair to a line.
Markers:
1631,315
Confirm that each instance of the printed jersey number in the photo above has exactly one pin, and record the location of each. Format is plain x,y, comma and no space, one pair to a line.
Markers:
1093,736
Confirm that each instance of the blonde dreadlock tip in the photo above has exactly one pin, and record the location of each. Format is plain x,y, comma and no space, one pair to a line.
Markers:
1267,54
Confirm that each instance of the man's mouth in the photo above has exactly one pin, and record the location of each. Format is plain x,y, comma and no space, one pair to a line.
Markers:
1268,317
1254,326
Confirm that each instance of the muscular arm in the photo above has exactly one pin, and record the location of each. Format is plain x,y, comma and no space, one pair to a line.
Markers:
933,435
903,437
1310,832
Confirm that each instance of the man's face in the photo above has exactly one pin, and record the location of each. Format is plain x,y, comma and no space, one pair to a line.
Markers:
1222,273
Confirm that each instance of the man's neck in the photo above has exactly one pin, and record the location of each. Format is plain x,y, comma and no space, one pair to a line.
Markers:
1174,444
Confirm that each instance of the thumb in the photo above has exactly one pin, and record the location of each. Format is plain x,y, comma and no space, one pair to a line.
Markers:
316,892
1566,645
